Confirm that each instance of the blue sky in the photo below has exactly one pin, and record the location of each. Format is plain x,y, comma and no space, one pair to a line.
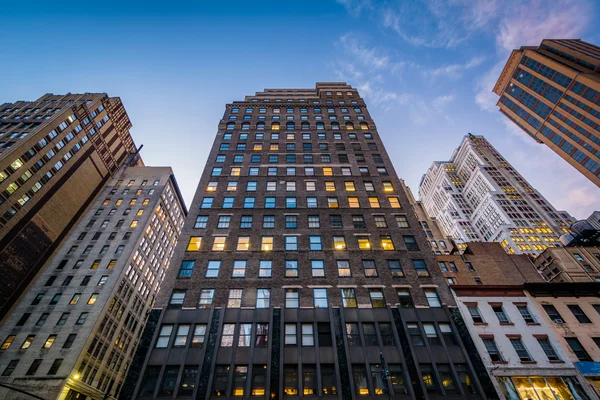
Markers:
425,68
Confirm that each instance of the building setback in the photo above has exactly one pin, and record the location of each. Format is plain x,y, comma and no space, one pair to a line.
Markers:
56,154
74,333
300,263
478,196
552,92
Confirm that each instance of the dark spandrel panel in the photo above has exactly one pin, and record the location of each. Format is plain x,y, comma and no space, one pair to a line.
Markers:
209,355
341,353
137,363
410,361
478,365
275,354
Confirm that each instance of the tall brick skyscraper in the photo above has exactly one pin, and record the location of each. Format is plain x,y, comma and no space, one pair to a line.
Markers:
56,153
300,261
552,92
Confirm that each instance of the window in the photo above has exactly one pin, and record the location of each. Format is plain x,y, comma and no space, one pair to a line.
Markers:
548,349
431,334
420,267
432,298
395,268
290,334
206,298
500,314
212,269
411,243
177,297
239,269
349,298
358,221
527,316
194,243
181,336
377,298
343,267
315,243
263,298
552,313
55,366
291,268
332,202
339,243
380,221
93,298
320,298
386,242
223,222
291,221
314,221
352,334
267,242
206,202
447,334
578,349
42,319
227,202
335,221
475,314
269,202
308,338
249,202
235,298
359,375
199,335
227,335
521,350
317,268
292,299
370,268
579,314
219,243
243,243
82,318
164,336
7,342
291,243
492,349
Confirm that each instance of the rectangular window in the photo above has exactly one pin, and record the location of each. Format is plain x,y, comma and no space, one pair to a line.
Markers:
181,336
219,243
335,221
290,335
239,269
339,243
317,268
386,242
343,267
194,243
548,349
432,298
292,299
263,298
186,269
578,349
308,338
291,221
314,221
395,268
377,298
500,314
199,335
243,243
420,267
492,349
521,350
553,313
235,298
364,242
164,336
315,243
359,375
269,223
411,243
349,298
405,298
212,270
320,298
246,222
291,268
265,269
267,243
579,314
291,243
206,298
370,268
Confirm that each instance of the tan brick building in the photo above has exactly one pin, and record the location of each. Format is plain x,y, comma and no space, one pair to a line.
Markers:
570,264
552,92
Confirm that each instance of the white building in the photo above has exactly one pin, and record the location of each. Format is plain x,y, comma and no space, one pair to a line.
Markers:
478,196
523,356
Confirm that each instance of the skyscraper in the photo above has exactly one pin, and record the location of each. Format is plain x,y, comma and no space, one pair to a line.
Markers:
74,333
552,92
300,262
478,196
56,154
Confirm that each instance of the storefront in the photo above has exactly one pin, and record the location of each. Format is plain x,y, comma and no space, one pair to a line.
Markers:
591,372
541,388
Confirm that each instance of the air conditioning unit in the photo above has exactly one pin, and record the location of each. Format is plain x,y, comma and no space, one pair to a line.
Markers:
559,321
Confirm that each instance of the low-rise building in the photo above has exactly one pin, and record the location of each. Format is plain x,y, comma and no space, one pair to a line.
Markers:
573,312
517,344
486,263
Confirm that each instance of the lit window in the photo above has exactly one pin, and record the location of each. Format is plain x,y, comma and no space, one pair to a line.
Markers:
343,267
243,243
330,186
339,243
134,223
374,202
93,298
239,269
332,202
364,243
266,243
194,243
327,171
219,243
394,202
386,242
349,298
353,202
387,187
236,171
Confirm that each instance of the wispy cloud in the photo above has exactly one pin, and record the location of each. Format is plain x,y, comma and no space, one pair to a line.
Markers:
355,7
452,70
369,56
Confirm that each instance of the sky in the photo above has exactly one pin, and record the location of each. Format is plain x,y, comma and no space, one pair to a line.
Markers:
425,68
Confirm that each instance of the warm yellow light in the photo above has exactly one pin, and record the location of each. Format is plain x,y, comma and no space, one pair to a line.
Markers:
363,391
76,376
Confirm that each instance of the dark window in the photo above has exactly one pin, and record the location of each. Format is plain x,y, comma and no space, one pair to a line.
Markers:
167,388
579,314
552,313
578,349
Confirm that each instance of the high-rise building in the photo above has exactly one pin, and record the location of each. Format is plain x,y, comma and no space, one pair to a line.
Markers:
74,333
478,196
552,92
300,264
439,241
56,154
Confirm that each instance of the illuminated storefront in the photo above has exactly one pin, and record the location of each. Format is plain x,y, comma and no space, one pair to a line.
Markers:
541,388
